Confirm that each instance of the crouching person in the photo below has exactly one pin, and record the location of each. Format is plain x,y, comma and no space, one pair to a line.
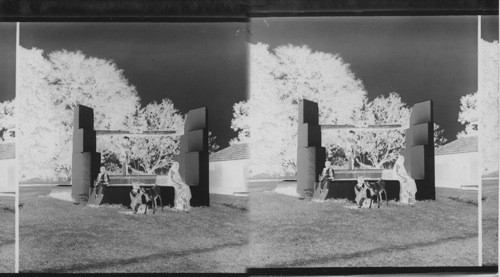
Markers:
327,176
101,182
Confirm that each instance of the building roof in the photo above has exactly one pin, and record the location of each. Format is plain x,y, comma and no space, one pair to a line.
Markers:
465,144
234,152
7,150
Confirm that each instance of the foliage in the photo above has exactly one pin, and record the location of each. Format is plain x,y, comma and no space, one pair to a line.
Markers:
439,139
150,154
376,148
489,104
468,114
212,145
7,122
37,135
50,89
279,79
479,110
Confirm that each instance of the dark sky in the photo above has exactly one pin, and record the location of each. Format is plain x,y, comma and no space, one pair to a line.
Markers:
204,64
194,64
7,61
420,58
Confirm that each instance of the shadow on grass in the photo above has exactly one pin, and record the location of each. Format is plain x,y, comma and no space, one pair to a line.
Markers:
7,242
466,201
8,210
235,206
368,253
161,255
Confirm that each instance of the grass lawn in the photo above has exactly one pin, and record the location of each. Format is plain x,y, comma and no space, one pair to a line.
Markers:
490,222
287,232
58,236
7,234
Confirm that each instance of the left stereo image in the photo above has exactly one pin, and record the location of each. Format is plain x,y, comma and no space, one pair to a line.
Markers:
8,164
125,143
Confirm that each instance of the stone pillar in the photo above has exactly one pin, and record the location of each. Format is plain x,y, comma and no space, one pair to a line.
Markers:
406,151
85,160
194,154
310,155
419,152
181,158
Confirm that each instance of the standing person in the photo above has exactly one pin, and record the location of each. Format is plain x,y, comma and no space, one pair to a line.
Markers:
351,149
407,187
101,181
327,175
126,146
182,196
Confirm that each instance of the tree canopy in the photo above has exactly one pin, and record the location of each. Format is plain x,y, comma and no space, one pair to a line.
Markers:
281,77
52,85
479,110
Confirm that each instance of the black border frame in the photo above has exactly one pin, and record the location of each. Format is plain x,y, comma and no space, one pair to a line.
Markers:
242,11
228,10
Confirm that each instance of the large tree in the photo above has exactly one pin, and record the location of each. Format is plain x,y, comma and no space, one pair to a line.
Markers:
376,148
489,103
380,148
279,79
36,119
50,90
52,87
479,110
150,154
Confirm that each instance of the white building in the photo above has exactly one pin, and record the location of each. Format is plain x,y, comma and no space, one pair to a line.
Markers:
457,163
229,169
7,167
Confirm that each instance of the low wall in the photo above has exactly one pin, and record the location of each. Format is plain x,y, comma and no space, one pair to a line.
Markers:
228,177
344,189
117,180
457,170
118,190
121,195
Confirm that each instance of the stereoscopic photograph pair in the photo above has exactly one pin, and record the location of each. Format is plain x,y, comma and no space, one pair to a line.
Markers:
255,145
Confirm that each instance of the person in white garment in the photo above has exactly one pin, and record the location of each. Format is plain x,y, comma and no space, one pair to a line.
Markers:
408,187
182,191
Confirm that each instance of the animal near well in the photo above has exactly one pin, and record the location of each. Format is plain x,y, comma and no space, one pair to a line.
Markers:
366,190
145,196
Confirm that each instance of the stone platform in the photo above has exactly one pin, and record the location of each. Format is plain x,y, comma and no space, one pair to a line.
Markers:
345,189
369,174
118,190
342,189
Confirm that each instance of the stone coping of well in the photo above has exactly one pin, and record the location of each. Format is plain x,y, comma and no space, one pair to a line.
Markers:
342,175
143,180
